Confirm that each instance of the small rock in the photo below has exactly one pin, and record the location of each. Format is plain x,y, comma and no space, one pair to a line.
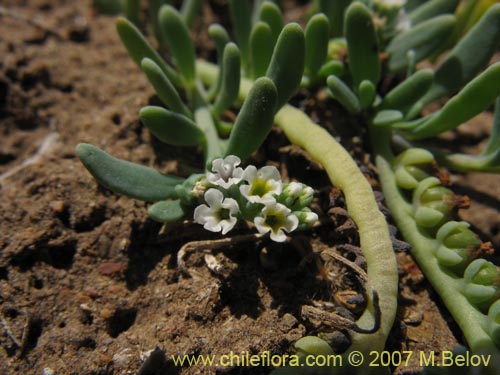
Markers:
57,206
110,268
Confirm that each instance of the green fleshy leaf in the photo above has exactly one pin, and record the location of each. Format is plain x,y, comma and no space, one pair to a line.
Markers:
317,37
343,94
479,294
138,48
493,145
335,11
220,37
164,88
466,59
270,14
261,48
415,156
170,127
367,94
286,75
123,177
404,179
241,19
423,40
167,211
489,163
470,101
312,345
133,11
178,38
362,44
451,257
431,9
230,79
428,217
255,120
189,10
109,7
335,68
494,322
387,117
409,91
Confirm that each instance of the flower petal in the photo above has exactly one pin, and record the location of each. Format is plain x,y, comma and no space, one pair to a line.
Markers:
201,213
214,198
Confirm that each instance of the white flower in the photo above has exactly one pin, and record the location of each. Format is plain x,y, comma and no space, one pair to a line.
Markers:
263,184
219,214
226,172
276,218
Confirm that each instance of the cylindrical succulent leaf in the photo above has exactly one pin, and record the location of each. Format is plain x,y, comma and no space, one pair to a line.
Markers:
120,176
261,48
241,17
171,128
493,144
220,37
164,88
270,13
362,44
313,345
423,40
432,9
329,68
230,79
481,42
138,48
286,75
367,94
494,322
110,7
409,91
343,94
255,119
178,38
133,11
189,10
335,11
473,99
167,211
386,117
317,37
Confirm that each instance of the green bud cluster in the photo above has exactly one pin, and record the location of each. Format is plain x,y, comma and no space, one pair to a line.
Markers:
482,283
432,203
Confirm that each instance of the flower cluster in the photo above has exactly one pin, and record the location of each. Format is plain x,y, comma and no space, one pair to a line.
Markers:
256,195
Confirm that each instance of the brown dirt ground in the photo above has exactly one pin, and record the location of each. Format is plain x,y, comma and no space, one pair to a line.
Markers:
90,285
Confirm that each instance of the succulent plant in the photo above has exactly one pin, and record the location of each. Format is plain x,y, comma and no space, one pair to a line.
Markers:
353,49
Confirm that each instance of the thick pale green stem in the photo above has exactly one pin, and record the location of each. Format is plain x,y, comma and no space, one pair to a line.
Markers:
471,321
363,209
205,122
373,230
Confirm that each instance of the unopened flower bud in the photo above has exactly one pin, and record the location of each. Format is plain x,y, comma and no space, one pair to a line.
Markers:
296,195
